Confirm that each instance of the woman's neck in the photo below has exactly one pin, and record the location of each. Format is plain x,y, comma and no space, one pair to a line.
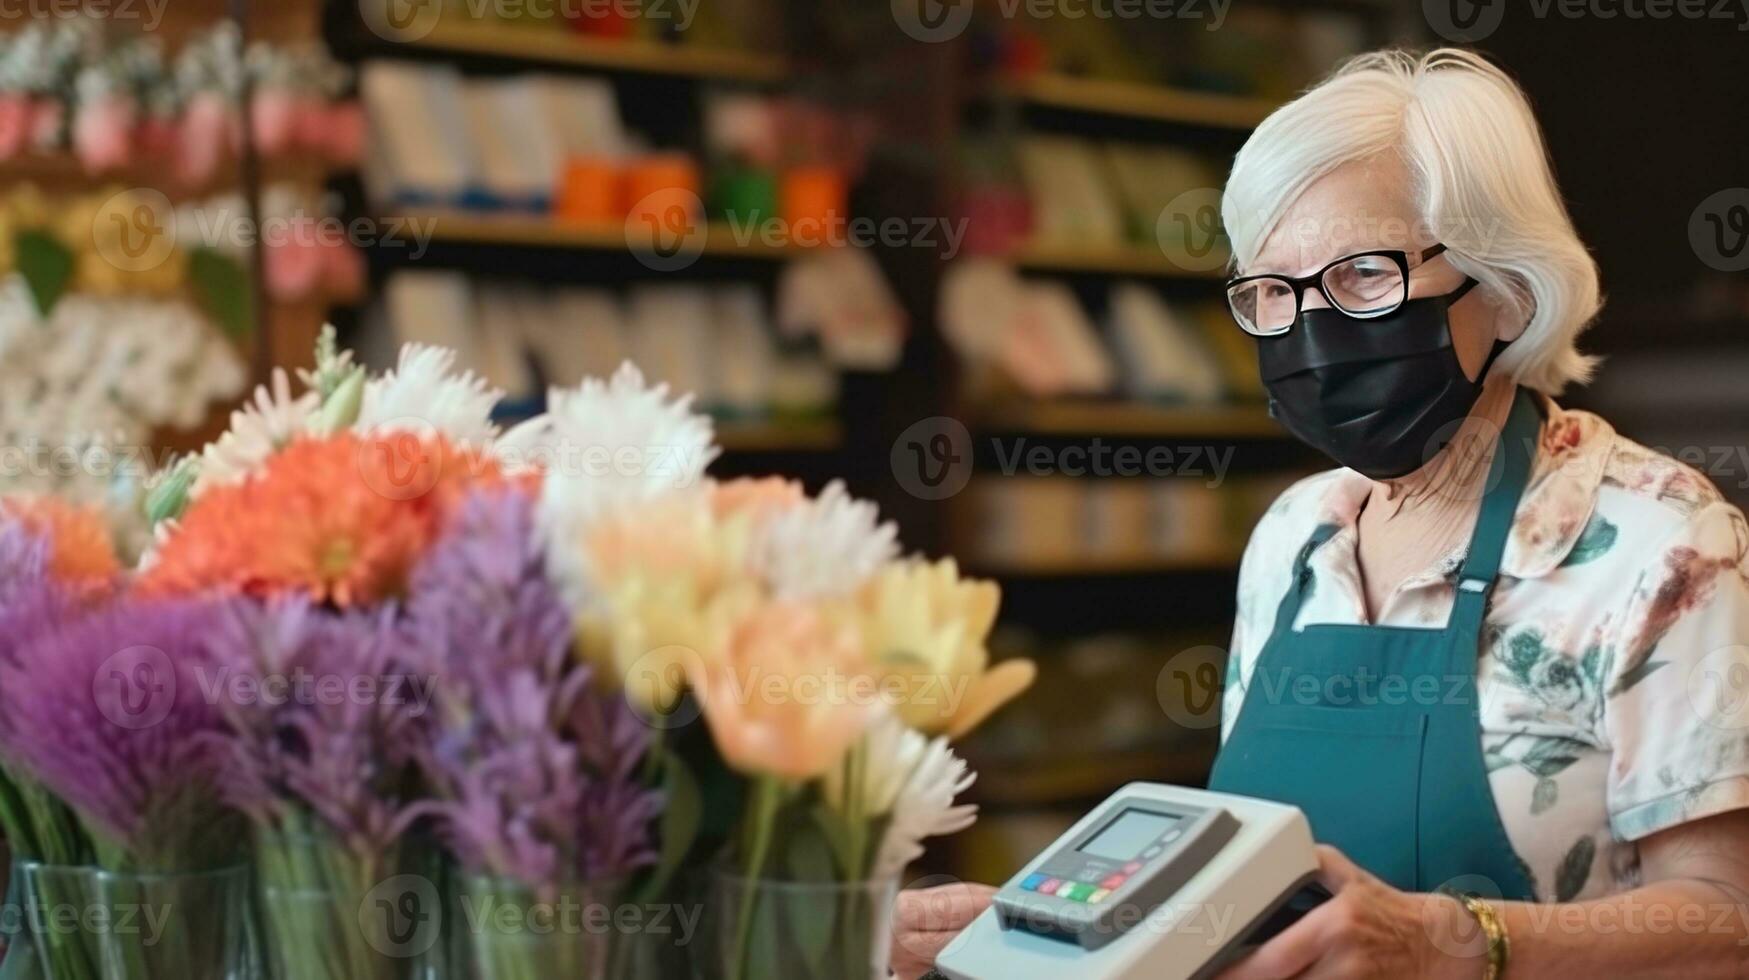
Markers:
1409,523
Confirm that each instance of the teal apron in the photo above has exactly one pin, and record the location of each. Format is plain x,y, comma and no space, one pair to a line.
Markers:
1373,731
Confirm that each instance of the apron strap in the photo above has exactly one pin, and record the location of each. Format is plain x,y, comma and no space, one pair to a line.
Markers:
1507,476
1289,609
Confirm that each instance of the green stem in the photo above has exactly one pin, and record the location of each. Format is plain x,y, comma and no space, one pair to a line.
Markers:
767,796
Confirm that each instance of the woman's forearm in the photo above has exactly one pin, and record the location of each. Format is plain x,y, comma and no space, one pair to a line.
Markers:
1679,928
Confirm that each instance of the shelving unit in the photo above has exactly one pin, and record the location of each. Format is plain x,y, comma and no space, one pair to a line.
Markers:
1121,260
647,76
1128,99
822,435
1130,419
557,47
1216,560
544,232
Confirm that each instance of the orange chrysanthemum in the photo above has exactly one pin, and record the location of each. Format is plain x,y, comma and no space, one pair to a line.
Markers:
83,550
342,519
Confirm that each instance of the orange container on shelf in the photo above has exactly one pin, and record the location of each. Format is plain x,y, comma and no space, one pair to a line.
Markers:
591,192
814,204
665,187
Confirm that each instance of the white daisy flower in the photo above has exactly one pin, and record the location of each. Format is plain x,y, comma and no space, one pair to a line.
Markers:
423,395
923,806
827,547
606,445
258,431
890,753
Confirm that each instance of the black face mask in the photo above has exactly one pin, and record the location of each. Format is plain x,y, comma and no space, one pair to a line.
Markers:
1380,396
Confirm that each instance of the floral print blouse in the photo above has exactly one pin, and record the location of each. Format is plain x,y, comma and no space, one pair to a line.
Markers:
1614,669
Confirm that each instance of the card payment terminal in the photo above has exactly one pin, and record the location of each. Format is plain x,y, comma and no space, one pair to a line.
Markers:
1156,883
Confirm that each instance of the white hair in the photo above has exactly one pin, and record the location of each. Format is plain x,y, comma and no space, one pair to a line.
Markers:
1480,174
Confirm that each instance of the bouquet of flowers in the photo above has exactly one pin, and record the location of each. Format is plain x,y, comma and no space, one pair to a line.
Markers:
830,672
389,655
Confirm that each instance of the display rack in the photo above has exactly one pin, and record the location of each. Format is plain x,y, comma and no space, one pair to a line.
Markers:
1136,101
556,48
542,232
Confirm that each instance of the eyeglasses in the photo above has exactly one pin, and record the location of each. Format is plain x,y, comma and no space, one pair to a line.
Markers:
1365,285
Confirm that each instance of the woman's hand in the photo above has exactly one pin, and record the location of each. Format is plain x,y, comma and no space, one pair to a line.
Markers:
1369,929
926,920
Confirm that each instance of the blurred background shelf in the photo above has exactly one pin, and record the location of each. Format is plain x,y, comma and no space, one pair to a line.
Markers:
1131,419
1137,101
823,435
1039,783
544,232
1118,260
562,48
1095,567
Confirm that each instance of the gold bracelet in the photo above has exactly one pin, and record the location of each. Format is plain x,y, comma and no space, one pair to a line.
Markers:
1494,927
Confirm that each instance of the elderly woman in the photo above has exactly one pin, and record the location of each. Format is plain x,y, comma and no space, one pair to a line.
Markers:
1499,656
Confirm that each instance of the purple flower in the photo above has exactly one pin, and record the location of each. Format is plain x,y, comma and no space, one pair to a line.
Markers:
104,710
536,771
318,718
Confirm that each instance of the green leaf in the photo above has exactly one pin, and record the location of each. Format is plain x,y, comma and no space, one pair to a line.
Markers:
340,408
1634,675
838,836
1549,757
1544,796
169,499
682,811
1575,869
1524,652
810,858
46,265
223,288
1597,538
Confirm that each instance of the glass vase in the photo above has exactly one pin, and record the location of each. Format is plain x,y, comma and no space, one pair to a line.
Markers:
85,923
515,932
326,913
755,928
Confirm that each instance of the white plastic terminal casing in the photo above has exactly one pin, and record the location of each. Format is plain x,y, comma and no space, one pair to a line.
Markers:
1269,859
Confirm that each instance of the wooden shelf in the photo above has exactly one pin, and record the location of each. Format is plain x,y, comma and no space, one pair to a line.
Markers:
1131,419
779,437
1138,101
62,172
1117,260
1092,566
544,232
559,47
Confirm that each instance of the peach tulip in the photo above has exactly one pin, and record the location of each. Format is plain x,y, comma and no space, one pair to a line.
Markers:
789,697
